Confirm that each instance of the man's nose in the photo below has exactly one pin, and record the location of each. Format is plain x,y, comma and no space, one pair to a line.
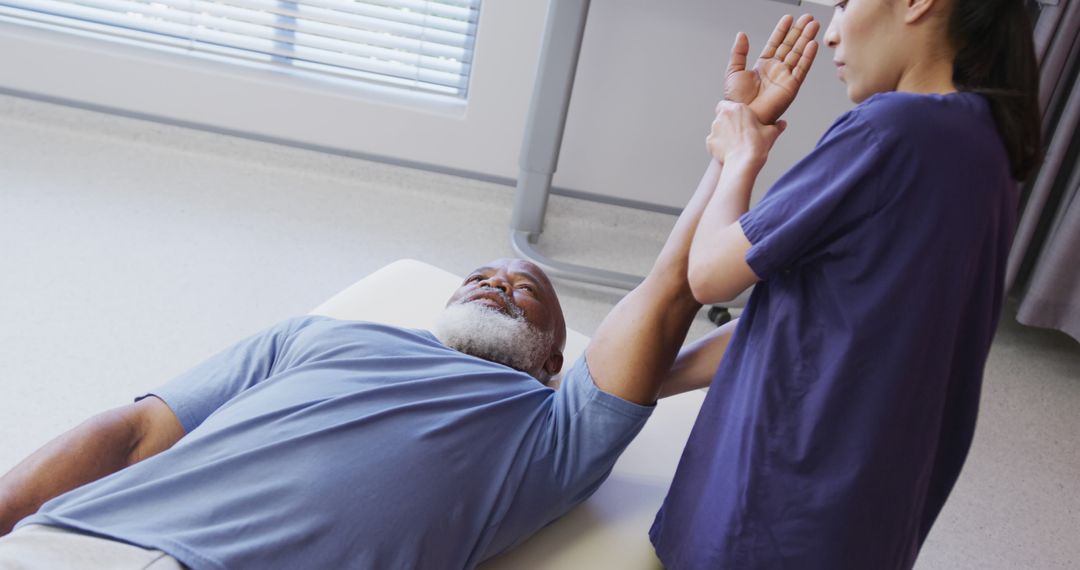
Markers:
497,281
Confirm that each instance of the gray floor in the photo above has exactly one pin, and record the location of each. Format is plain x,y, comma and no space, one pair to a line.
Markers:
129,250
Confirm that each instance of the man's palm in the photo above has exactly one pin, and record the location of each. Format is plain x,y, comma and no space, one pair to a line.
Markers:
771,85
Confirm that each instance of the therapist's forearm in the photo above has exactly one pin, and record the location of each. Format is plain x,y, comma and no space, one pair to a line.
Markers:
731,199
717,269
696,364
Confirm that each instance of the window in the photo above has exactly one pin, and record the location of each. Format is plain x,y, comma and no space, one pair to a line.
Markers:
424,45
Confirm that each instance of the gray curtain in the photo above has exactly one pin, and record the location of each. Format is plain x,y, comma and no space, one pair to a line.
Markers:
1044,265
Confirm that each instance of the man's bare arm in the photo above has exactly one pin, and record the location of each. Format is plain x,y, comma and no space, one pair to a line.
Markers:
634,347
102,445
772,83
718,268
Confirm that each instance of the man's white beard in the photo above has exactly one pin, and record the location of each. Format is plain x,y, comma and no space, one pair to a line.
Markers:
489,334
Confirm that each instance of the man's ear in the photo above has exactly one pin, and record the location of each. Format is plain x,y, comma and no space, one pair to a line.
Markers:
919,9
554,363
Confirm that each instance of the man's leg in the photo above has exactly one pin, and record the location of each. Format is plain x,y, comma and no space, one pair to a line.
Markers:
40,547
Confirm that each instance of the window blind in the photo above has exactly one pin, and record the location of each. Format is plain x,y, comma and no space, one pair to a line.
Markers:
425,45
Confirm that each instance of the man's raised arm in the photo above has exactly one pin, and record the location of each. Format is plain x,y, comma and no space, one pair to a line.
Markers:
634,347
632,352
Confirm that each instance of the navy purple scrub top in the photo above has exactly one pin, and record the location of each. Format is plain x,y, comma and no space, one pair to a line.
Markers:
845,405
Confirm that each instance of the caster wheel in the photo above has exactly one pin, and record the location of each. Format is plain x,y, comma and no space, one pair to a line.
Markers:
719,315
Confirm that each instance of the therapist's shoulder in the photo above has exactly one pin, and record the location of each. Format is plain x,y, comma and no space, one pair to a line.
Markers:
892,107
876,125
896,116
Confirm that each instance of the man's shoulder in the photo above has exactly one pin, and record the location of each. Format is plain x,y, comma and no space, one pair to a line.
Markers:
332,323
343,329
577,390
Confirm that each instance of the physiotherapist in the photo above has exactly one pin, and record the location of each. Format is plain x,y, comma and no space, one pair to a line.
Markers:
844,407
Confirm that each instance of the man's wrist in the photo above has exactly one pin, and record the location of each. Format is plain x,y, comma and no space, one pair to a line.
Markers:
764,116
7,515
13,507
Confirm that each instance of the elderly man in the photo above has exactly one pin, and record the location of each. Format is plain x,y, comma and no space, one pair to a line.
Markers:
321,443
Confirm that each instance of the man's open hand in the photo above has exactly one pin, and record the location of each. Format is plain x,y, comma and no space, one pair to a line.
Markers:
771,85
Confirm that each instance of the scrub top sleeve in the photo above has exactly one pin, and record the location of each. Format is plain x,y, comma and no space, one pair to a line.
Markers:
195,394
819,201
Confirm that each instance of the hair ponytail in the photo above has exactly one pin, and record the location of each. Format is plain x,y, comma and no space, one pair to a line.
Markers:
996,58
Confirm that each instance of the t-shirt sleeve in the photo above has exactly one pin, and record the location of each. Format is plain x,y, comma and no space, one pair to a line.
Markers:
819,201
195,394
591,429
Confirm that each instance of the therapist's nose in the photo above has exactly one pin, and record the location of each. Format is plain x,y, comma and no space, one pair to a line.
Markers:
832,34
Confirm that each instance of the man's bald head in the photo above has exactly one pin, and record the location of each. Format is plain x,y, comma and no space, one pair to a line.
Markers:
517,289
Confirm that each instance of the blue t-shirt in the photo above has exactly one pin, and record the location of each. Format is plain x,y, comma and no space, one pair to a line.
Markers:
335,444
845,405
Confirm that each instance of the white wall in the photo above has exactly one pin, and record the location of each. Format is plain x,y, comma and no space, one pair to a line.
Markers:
648,78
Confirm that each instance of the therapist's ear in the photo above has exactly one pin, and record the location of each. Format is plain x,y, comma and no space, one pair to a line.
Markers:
918,9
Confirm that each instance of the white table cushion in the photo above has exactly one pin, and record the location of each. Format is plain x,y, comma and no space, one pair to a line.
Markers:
610,529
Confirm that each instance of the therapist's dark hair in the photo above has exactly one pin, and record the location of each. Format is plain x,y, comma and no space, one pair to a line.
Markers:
996,58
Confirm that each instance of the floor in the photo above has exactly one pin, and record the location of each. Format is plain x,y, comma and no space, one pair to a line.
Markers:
129,250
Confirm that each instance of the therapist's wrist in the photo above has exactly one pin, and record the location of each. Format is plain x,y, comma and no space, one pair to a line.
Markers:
747,160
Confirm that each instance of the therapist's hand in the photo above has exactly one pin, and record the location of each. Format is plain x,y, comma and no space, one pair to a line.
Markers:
771,84
738,136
